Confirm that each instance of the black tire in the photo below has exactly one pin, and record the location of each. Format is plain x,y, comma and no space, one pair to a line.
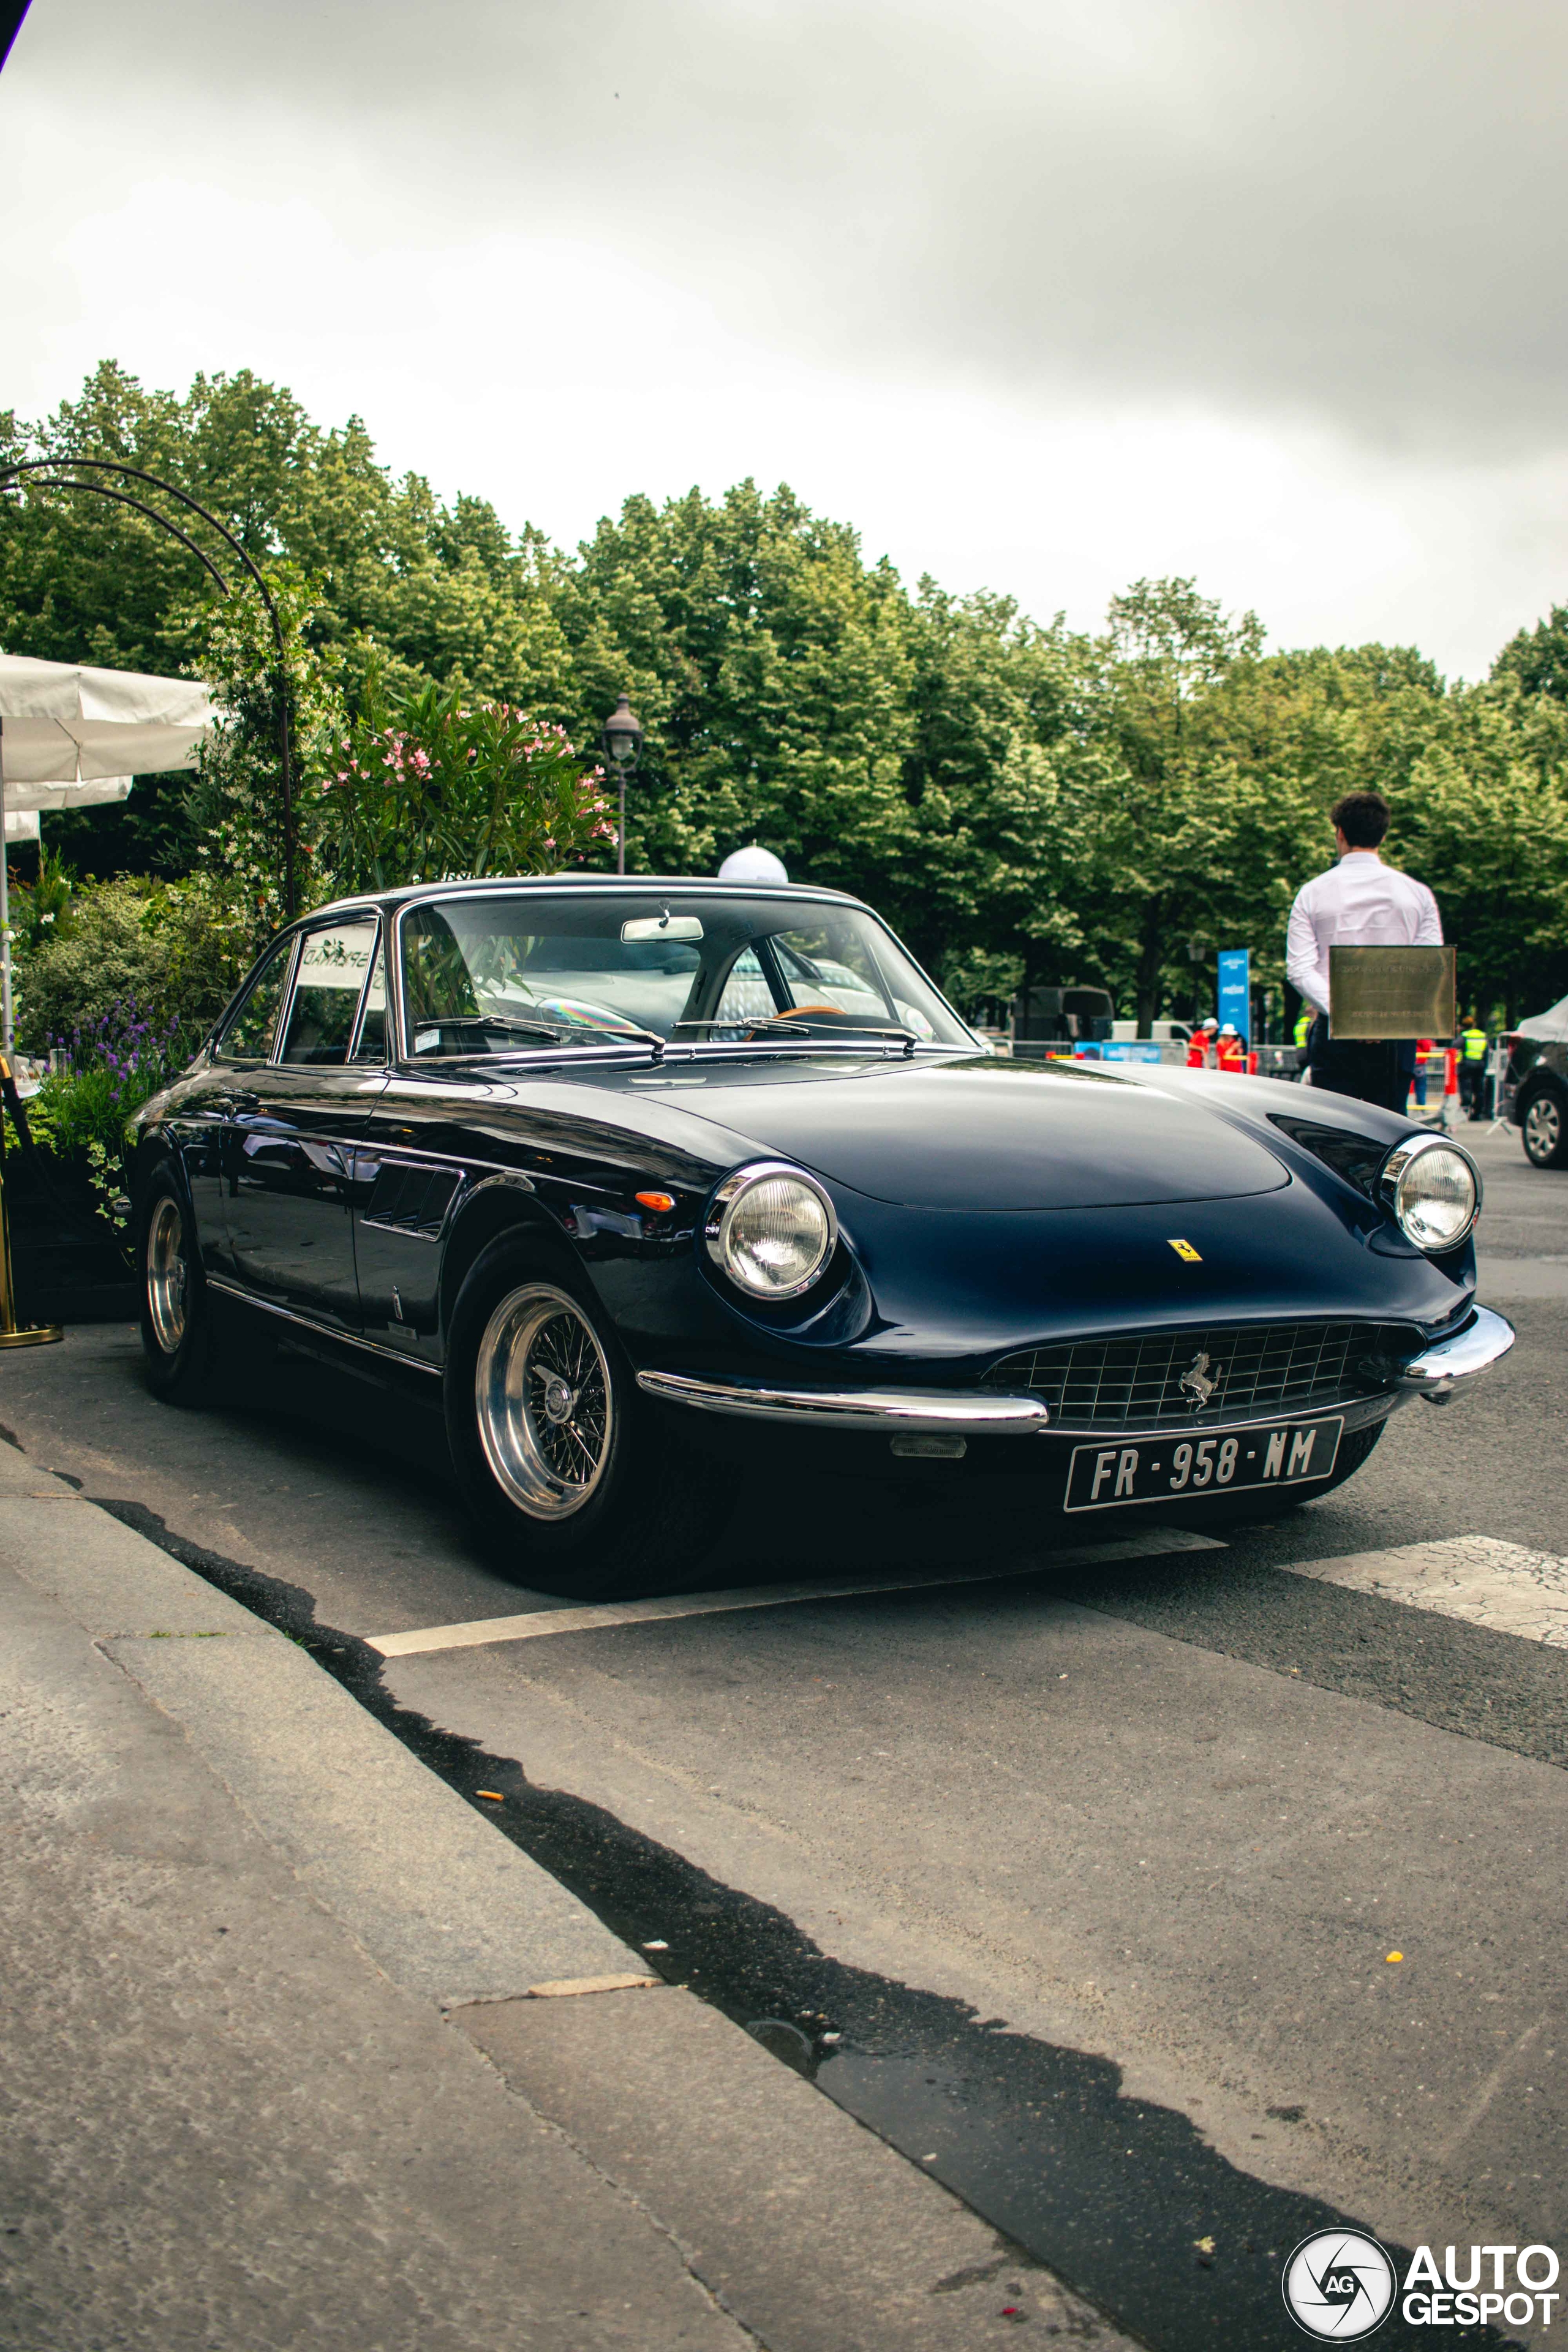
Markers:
1543,1129
555,1451
176,1312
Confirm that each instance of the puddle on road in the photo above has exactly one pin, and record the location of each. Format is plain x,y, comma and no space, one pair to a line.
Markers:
1112,2194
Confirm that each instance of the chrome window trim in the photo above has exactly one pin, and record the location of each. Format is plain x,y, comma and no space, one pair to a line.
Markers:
358,1030
312,923
401,1056
260,1061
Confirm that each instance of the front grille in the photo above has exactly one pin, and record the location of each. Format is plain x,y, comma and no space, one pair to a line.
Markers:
1254,1369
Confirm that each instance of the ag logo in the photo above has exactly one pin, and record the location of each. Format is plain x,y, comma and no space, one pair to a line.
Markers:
1339,2285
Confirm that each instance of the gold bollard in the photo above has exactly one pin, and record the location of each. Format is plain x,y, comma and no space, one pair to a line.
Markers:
40,1334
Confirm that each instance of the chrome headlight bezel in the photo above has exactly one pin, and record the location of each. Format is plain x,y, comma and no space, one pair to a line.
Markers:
720,1223
1391,1182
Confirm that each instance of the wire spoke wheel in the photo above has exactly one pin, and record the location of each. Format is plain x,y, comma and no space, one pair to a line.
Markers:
543,1400
168,1276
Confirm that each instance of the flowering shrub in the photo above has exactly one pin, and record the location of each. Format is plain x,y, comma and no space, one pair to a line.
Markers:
441,787
106,1070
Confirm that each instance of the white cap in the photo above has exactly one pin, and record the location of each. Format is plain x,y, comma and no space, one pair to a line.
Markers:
1230,1030
753,864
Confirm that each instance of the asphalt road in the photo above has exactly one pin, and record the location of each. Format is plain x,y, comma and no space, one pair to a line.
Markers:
1080,1884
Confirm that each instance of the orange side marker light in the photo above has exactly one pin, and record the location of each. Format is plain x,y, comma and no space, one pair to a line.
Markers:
659,1203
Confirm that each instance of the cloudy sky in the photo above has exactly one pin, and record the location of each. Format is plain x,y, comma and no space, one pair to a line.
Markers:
1041,297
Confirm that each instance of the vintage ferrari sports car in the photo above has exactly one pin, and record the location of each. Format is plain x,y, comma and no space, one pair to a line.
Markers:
647,1179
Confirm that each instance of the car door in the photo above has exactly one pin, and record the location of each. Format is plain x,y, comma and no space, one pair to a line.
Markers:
292,1124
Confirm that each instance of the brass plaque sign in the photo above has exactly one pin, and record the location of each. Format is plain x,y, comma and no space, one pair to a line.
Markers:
1384,992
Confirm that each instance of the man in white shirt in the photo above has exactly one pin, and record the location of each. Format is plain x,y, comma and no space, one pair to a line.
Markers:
1359,903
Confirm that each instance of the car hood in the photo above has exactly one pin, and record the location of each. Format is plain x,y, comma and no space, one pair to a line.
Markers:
986,1135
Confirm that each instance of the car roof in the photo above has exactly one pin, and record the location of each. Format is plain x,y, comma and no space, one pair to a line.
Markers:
509,884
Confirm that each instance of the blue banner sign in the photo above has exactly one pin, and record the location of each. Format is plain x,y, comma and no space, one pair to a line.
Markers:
1236,989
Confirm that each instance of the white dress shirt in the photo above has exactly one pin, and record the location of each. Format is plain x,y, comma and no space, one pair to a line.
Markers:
1359,903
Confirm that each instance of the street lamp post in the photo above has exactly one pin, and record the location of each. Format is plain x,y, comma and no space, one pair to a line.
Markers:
622,740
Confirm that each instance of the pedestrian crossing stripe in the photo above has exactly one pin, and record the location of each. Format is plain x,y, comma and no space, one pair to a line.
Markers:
1477,1578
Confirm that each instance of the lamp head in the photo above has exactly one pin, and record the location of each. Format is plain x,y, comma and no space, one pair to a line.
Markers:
622,736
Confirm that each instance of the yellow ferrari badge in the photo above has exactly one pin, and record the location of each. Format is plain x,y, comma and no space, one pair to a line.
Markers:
1187,1254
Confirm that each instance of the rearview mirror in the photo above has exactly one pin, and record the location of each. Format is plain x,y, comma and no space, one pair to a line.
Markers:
662,926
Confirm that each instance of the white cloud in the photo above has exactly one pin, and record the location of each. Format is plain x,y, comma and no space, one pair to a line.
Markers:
1041,297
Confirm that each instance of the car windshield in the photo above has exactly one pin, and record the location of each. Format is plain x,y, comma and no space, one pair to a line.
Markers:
505,974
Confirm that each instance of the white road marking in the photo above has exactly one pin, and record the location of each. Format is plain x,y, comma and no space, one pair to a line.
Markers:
1477,1578
1148,1543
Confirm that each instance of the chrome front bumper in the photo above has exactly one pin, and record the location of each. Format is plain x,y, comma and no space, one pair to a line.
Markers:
1433,1374
952,1412
982,1412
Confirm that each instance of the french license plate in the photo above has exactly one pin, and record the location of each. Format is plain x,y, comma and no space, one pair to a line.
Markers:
1156,1469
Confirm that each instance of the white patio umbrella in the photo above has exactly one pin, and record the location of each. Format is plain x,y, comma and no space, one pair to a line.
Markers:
71,736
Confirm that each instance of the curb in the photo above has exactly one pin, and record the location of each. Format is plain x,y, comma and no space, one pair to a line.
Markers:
449,1909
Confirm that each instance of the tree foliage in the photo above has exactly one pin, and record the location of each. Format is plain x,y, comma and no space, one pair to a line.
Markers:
1021,799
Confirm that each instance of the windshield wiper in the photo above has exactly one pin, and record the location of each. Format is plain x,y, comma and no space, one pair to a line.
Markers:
783,1026
797,1026
552,1031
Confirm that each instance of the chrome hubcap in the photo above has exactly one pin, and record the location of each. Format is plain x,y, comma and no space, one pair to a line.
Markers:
166,1275
1543,1127
543,1401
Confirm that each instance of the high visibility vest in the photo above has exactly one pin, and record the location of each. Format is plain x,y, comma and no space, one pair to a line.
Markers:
1475,1044
1303,1026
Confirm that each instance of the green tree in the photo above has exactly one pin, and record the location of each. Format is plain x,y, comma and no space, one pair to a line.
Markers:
771,668
394,575
1537,659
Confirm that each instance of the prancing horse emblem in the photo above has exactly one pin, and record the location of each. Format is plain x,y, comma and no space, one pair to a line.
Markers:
1198,1383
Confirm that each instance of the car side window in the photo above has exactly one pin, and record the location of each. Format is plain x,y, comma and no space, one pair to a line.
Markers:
247,1035
371,1046
334,964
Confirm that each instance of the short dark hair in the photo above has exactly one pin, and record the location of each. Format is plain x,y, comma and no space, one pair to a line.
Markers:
1361,817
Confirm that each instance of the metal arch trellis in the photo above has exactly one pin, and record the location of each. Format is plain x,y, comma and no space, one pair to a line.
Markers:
56,473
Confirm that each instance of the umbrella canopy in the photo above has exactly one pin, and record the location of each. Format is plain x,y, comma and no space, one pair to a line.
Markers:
63,723
71,736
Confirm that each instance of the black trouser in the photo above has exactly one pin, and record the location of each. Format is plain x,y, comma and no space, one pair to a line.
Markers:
1371,1073
1472,1086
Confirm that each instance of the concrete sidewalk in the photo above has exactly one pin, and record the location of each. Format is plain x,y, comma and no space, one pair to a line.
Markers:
271,2073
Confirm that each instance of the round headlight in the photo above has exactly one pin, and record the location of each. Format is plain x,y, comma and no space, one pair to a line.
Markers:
1434,1190
771,1230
